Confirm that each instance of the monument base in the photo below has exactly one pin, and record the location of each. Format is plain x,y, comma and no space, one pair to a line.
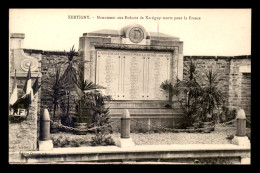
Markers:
241,141
45,145
125,142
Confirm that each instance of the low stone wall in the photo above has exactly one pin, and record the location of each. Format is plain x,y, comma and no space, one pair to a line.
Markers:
232,154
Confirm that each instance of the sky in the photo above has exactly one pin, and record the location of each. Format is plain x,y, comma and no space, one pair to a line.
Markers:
212,32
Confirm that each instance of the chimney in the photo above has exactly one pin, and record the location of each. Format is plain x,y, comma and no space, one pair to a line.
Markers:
16,40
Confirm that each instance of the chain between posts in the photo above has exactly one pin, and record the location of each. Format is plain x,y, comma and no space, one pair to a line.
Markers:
185,130
77,129
158,127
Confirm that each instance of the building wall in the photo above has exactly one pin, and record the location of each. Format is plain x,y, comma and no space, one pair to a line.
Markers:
50,61
217,64
23,135
233,82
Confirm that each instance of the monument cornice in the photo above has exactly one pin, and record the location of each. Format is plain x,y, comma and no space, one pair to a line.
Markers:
135,47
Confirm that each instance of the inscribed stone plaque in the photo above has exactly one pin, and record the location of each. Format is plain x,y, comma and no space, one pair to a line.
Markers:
133,75
158,71
108,72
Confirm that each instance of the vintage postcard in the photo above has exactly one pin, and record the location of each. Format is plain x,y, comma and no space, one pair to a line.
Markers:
129,86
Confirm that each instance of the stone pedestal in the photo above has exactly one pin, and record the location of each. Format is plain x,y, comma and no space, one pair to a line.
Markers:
45,145
241,141
241,138
125,142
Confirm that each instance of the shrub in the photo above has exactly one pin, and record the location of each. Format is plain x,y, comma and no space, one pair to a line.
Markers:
159,130
62,141
101,139
59,142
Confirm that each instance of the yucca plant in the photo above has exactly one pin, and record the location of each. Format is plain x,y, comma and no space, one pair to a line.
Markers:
72,64
192,91
211,96
187,91
58,91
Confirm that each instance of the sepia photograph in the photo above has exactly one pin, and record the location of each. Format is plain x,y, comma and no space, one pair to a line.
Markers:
129,86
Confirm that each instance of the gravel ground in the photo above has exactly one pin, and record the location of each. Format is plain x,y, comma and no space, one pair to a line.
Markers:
216,137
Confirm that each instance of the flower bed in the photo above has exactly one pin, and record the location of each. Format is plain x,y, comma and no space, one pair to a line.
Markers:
221,135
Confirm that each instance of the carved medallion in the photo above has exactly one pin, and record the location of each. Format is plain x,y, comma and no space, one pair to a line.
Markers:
26,63
136,35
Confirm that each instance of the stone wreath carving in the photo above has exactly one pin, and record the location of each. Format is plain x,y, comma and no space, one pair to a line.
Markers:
29,62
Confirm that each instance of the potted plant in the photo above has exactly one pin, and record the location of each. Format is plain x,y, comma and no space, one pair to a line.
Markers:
210,99
84,100
81,122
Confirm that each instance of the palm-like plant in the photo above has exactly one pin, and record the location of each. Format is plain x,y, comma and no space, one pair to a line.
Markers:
211,96
88,94
100,113
189,85
58,91
73,63
83,98
191,90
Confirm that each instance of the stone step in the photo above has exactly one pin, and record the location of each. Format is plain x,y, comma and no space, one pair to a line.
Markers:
146,111
141,104
149,116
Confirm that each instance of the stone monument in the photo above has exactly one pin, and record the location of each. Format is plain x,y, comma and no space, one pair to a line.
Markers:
132,63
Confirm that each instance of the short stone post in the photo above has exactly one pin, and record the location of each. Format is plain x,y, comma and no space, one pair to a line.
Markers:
125,124
125,140
241,139
45,143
